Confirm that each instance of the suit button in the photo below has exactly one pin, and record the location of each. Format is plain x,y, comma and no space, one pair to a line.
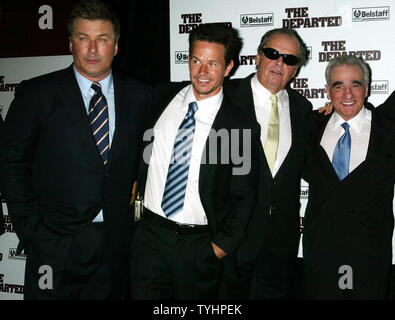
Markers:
325,204
107,174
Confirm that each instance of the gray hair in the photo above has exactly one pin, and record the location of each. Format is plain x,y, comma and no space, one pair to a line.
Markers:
350,60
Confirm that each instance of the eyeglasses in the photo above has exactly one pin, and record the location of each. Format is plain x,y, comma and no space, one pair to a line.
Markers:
273,54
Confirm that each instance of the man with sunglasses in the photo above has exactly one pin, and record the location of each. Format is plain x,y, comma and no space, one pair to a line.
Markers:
267,257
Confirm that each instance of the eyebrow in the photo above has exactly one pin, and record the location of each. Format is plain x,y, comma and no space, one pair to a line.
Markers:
336,83
100,35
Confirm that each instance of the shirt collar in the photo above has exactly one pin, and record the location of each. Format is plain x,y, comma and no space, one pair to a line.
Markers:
203,104
355,123
85,84
264,94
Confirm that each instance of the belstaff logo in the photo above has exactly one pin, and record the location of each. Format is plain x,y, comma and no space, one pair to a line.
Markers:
379,87
370,14
256,20
181,57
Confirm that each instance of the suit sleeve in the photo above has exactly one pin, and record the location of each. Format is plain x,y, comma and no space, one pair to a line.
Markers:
243,190
17,145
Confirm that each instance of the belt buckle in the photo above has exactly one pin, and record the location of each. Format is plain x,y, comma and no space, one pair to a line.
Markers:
180,228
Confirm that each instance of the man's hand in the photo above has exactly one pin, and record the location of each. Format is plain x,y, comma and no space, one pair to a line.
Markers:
218,251
327,109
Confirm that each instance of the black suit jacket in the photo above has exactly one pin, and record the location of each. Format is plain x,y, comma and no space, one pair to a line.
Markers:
388,107
52,175
275,223
228,200
349,222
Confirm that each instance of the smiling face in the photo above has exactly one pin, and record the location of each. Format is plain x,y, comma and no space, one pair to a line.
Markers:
93,46
207,68
275,74
347,90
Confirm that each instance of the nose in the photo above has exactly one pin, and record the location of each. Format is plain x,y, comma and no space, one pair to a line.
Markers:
92,46
347,91
203,68
280,60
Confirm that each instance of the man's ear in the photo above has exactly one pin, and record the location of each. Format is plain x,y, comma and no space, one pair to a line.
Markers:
328,95
229,68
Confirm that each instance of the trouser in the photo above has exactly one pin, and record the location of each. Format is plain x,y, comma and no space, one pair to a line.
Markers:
169,261
268,277
73,267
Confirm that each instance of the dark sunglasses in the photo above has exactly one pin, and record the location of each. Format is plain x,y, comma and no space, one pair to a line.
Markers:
273,54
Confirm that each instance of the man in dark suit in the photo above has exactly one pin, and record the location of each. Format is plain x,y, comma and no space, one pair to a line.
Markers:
266,258
198,202
69,157
350,169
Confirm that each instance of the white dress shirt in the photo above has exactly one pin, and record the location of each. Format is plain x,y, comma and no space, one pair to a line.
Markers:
165,131
263,107
107,87
359,131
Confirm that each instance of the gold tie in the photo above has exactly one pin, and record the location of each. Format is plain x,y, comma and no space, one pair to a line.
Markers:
272,138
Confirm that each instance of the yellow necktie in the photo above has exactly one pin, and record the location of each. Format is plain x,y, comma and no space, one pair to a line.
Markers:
272,138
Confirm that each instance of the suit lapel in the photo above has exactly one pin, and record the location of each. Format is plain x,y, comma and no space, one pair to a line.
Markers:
71,98
376,147
205,166
163,95
318,152
119,97
296,121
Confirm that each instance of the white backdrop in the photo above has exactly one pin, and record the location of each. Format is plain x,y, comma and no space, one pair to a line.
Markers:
329,28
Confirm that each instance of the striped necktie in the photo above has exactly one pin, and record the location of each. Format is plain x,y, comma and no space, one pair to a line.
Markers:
98,116
271,144
341,155
177,175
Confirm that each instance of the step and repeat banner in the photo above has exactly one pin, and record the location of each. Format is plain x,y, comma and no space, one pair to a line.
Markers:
329,29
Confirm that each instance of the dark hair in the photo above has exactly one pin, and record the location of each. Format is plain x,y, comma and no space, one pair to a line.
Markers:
303,52
218,33
94,10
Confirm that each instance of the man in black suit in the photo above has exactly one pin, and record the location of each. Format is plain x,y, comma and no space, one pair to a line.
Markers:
350,169
67,183
266,258
198,203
